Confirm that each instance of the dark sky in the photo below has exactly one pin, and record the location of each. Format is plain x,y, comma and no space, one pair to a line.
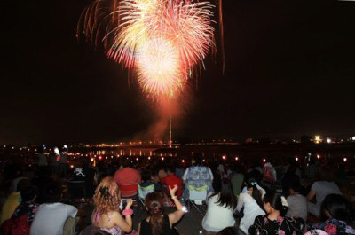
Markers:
290,70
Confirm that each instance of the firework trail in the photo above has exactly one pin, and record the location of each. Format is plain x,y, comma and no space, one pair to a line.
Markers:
161,40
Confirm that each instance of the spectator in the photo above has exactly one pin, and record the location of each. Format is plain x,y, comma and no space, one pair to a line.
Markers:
297,203
171,179
237,180
275,221
220,210
27,206
269,173
127,177
321,189
156,223
51,216
41,158
13,201
335,211
198,175
88,175
250,205
289,178
106,214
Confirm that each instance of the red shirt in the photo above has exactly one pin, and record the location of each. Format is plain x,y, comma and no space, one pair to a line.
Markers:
171,180
127,176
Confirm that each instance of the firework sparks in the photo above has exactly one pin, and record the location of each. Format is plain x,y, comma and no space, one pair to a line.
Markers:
162,40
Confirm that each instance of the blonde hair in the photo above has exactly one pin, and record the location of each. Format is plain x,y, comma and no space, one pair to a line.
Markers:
107,196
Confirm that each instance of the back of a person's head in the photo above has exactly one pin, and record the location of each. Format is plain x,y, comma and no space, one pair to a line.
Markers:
154,206
52,192
197,160
146,175
107,196
326,174
277,201
29,193
171,169
256,194
335,206
295,186
24,183
225,195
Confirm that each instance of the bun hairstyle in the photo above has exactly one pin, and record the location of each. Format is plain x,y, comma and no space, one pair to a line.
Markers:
154,205
256,194
277,202
107,196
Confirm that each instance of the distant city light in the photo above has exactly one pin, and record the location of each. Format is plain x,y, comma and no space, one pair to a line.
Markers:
148,158
296,159
92,159
329,140
264,160
318,156
317,139
345,159
71,166
183,161
137,159
162,158
224,157
236,158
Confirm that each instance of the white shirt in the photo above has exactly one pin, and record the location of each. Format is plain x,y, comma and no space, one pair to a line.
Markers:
258,187
323,188
217,217
250,211
297,206
50,218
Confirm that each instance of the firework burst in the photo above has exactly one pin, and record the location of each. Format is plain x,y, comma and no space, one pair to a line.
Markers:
162,40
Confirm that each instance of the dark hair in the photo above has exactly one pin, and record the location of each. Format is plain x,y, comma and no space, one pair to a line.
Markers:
146,175
337,206
274,198
225,196
326,174
198,160
295,186
24,183
256,194
28,193
154,205
171,168
52,192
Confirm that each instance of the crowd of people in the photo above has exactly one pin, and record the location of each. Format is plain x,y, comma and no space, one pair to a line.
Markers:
239,197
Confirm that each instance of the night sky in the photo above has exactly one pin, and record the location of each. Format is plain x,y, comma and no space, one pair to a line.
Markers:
290,70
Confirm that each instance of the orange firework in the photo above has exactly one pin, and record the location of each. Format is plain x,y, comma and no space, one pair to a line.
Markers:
162,40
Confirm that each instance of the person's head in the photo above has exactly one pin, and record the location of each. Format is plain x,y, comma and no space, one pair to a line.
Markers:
24,183
52,192
225,195
126,163
326,174
294,188
107,196
171,170
335,206
255,193
197,160
146,175
28,194
154,206
275,202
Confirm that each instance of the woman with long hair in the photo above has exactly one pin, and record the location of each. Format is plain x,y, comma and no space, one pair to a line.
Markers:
220,210
107,214
275,222
156,222
251,202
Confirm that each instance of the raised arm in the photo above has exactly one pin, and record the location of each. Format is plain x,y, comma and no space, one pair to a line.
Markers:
125,224
175,216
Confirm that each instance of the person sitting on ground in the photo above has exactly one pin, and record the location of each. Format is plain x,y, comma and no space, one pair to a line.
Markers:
269,173
320,189
251,203
13,200
289,178
297,203
52,215
275,222
237,180
198,175
28,205
157,223
171,179
219,214
106,214
335,211
127,178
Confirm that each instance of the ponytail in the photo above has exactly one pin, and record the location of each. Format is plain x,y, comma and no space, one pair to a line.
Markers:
256,194
154,205
277,201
